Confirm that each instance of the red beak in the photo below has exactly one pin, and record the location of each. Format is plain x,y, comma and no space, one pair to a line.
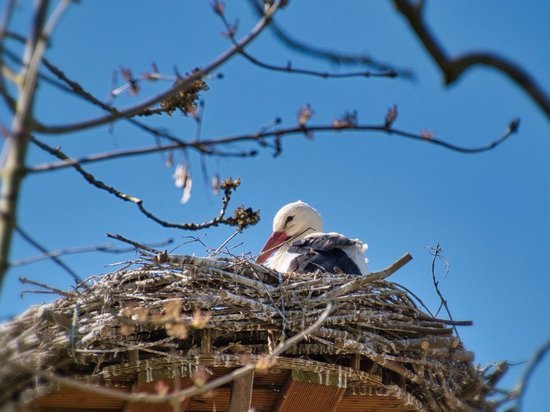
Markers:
273,243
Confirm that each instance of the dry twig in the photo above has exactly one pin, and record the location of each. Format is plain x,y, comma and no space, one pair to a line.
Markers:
45,251
535,361
436,253
332,56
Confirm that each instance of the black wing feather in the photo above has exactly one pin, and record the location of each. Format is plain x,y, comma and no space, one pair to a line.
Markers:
322,253
321,243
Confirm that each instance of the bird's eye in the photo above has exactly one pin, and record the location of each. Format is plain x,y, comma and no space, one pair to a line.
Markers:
289,219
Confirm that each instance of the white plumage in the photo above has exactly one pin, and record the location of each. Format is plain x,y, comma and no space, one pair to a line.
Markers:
298,244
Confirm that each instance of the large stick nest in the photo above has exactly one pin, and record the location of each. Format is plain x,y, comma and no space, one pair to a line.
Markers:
164,307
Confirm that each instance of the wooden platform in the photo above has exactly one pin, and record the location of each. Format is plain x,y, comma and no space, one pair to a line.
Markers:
292,385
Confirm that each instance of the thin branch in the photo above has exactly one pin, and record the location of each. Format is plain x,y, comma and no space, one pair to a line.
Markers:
42,77
44,250
220,219
14,36
266,134
535,361
203,147
180,86
292,70
224,243
105,248
4,24
332,56
453,68
51,289
436,253
263,363
64,83
417,298
136,245
390,270
17,140
308,72
362,280
78,90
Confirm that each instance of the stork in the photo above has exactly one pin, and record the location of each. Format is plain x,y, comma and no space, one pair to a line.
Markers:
298,244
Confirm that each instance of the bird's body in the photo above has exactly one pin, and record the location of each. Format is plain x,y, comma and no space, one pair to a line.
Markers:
298,244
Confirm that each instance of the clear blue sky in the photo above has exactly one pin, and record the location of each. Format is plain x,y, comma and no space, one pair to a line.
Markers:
490,211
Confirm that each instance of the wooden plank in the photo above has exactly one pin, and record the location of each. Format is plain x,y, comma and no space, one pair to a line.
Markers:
152,387
206,342
263,399
356,361
389,398
57,409
75,399
360,403
241,393
300,394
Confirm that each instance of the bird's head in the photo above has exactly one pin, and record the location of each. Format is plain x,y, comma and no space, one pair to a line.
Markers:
292,221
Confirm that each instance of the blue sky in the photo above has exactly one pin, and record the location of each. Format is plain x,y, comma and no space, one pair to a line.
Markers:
488,211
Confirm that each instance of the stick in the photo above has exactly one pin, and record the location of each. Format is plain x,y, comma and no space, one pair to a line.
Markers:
373,277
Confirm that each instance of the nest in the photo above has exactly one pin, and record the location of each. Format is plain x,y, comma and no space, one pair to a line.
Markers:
177,307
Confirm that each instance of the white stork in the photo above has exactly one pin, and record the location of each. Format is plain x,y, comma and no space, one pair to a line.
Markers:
298,244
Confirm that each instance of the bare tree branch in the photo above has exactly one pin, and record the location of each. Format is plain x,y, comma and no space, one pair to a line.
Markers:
44,250
535,361
104,248
51,289
453,68
9,54
205,146
6,17
115,154
330,55
242,217
78,90
17,140
180,86
325,75
417,298
436,253
136,245
292,70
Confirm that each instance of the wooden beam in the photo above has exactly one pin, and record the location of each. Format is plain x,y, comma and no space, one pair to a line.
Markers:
241,393
303,393
74,399
356,361
206,341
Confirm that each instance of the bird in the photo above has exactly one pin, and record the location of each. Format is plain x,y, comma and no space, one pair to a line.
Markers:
298,244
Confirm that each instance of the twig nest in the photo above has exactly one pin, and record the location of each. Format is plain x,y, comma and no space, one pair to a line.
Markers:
166,307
